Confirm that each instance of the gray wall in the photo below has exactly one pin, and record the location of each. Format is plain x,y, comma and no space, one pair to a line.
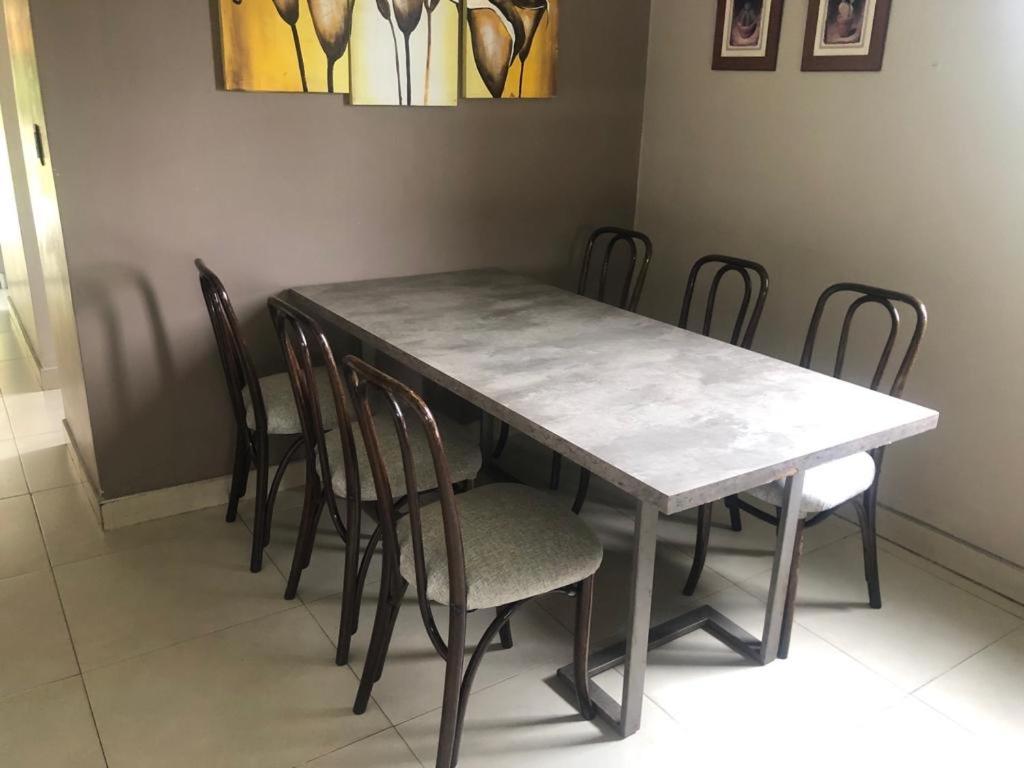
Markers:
155,167
912,178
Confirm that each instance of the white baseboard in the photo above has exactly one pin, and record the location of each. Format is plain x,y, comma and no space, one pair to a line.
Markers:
124,511
48,377
178,499
962,558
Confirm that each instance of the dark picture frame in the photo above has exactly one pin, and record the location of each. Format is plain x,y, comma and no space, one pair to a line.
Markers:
754,25
834,40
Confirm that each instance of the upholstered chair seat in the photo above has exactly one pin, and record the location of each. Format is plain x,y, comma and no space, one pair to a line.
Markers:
825,486
519,542
461,444
279,400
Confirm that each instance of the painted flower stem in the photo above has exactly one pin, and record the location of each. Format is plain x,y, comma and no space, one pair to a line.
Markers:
398,66
298,55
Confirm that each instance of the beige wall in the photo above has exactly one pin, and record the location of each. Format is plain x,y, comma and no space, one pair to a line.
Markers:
912,178
21,245
155,167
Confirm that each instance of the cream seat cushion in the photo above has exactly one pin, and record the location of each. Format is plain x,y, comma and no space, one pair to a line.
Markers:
279,400
519,542
825,486
461,444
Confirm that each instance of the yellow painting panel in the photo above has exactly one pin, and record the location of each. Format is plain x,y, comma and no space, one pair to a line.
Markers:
511,49
405,52
286,45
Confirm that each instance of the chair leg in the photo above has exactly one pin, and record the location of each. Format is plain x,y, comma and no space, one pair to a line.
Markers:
581,646
556,471
275,486
790,606
351,597
700,549
505,634
499,448
504,616
735,520
380,638
581,491
869,539
240,473
451,731
260,523
307,530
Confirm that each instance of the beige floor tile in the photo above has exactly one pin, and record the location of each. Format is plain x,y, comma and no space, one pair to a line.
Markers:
73,533
12,478
6,433
612,593
141,599
413,680
35,413
46,461
985,693
17,377
261,694
49,727
924,628
912,733
386,750
740,555
532,720
21,544
323,577
946,575
703,684
34,643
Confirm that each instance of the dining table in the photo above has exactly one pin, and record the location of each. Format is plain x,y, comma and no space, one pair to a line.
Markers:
673,418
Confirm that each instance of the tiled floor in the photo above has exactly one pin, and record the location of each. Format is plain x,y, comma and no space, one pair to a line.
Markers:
154,646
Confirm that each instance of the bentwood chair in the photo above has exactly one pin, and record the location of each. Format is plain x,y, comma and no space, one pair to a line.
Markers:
339,462
744,328
829,486
494,547
262,407
637,252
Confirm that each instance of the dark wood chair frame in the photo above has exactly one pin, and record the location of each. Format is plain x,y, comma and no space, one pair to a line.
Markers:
252,446
867,508
748,317
458,682
640,251
303,340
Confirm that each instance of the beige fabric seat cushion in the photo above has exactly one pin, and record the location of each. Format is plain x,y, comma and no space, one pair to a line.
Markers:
461,444
825,486
279,400
519,542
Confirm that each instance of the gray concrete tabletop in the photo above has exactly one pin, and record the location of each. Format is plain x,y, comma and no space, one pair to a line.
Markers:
667,415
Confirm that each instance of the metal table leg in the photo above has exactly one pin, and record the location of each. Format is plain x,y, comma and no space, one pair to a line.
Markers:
641,636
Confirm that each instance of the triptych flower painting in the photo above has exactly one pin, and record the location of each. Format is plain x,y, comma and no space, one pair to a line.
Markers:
392,52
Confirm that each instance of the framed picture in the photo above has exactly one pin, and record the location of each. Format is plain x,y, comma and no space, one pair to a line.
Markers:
845,35
747,34
510,49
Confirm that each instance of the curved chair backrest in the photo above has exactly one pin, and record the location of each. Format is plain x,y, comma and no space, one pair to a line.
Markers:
747,315
888,300
301,339
636,275
406,406
239,371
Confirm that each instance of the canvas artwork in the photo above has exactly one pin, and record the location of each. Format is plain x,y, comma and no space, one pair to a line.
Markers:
747,34
405,52
846,35
286,45
511,49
